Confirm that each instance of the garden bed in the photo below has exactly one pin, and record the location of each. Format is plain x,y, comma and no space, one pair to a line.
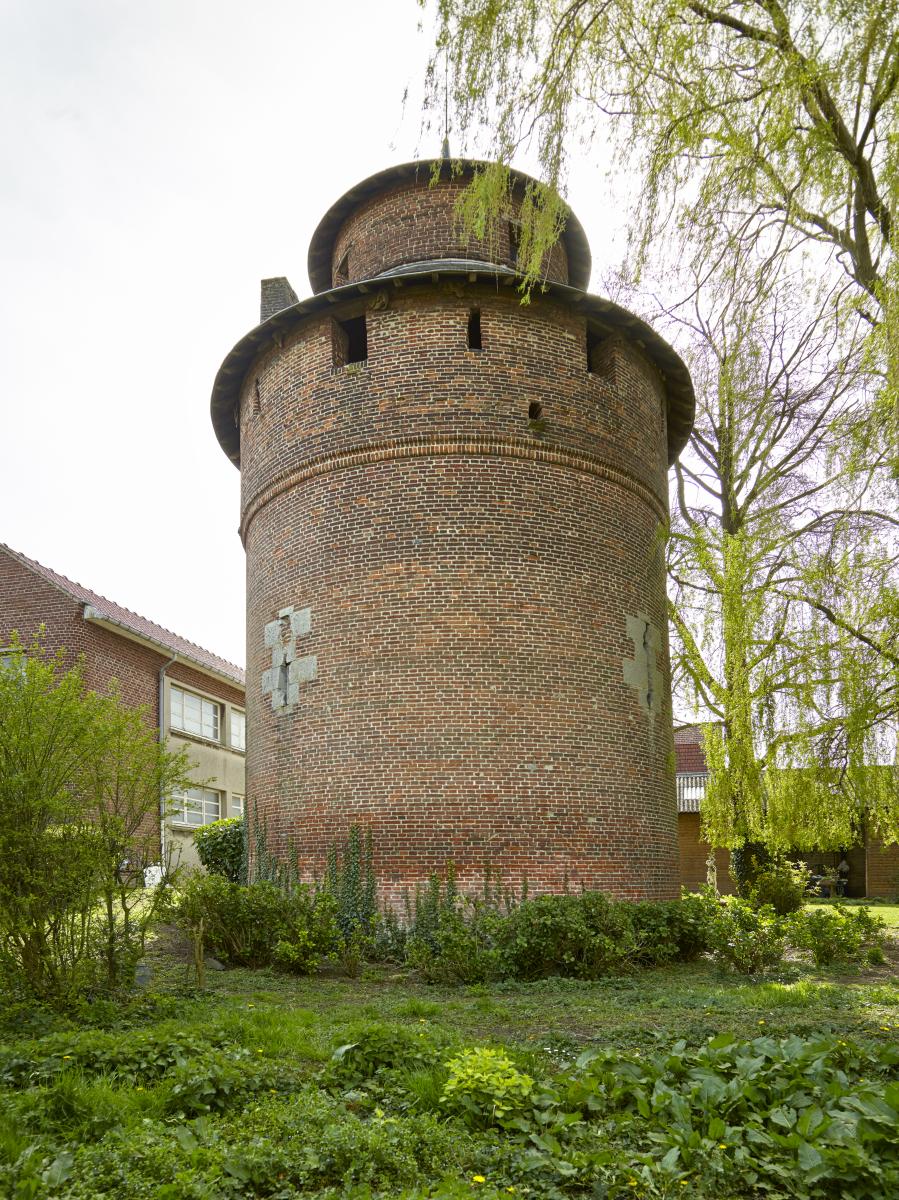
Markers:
236,1091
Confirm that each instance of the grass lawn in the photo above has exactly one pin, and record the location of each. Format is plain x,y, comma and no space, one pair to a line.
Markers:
233,1092
888,912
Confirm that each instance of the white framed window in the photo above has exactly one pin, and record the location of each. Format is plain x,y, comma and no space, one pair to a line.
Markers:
238,729
194,714
236,805
196,807
12,660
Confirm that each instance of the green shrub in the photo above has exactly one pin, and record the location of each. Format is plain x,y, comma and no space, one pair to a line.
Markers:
783,885
221,847
584,936
746,863
215,1081
461,946
746,939
667,931
80,779
485,1087
307,1144
260,924
838,934
351,882
377,1048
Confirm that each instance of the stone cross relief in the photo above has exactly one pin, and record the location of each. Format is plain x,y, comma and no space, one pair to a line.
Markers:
289,669
642,672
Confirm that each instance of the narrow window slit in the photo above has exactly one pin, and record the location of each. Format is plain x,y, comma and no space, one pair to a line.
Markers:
514,241
474,330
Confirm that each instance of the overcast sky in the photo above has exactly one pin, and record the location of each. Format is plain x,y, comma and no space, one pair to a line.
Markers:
158,158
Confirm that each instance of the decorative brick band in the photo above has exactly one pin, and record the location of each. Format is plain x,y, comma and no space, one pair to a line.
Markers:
424,447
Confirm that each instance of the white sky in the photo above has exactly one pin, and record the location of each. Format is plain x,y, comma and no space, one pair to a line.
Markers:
157,159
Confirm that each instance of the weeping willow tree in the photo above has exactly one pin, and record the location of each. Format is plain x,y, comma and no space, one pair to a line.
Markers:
782,568
749,114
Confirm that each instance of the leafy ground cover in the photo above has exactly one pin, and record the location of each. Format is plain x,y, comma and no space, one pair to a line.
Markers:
661,1082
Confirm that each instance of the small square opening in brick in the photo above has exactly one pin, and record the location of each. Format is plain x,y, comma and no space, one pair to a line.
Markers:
599,357
349,341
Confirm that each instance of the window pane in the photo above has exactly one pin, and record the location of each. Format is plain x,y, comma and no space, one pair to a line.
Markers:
236,805
196,807
195,715
210,720
238,730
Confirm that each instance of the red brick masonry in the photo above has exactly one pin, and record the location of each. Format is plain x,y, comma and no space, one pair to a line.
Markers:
476,535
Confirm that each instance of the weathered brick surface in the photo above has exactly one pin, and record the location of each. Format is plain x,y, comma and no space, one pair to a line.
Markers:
882,877
413,223
470,577
694,853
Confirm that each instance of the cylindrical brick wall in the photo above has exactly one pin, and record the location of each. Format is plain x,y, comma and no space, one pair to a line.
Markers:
472,596
412,223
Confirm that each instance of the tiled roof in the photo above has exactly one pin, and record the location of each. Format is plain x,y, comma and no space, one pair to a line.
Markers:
132,621
689,735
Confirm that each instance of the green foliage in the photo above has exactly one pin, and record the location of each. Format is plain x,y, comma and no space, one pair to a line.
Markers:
801,1118
837,934
351,882
746,117
375,1049
221,849
485,1087
137,1057
259,924
81,777
97,1115
454,939
668,931
747,940
782,885
214,1081
586,936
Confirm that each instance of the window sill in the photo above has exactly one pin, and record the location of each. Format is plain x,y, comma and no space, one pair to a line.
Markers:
203,741
350,368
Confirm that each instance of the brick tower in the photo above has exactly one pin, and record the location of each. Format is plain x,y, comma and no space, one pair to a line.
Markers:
452,508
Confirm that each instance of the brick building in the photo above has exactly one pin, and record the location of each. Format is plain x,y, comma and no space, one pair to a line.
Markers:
452,505
873,867
195,696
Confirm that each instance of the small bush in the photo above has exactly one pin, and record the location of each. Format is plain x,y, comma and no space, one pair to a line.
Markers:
667,931
783,885
259,925
837,934
214,1082
461,946
377,1048
584,936
221,847
745,939
485,1088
